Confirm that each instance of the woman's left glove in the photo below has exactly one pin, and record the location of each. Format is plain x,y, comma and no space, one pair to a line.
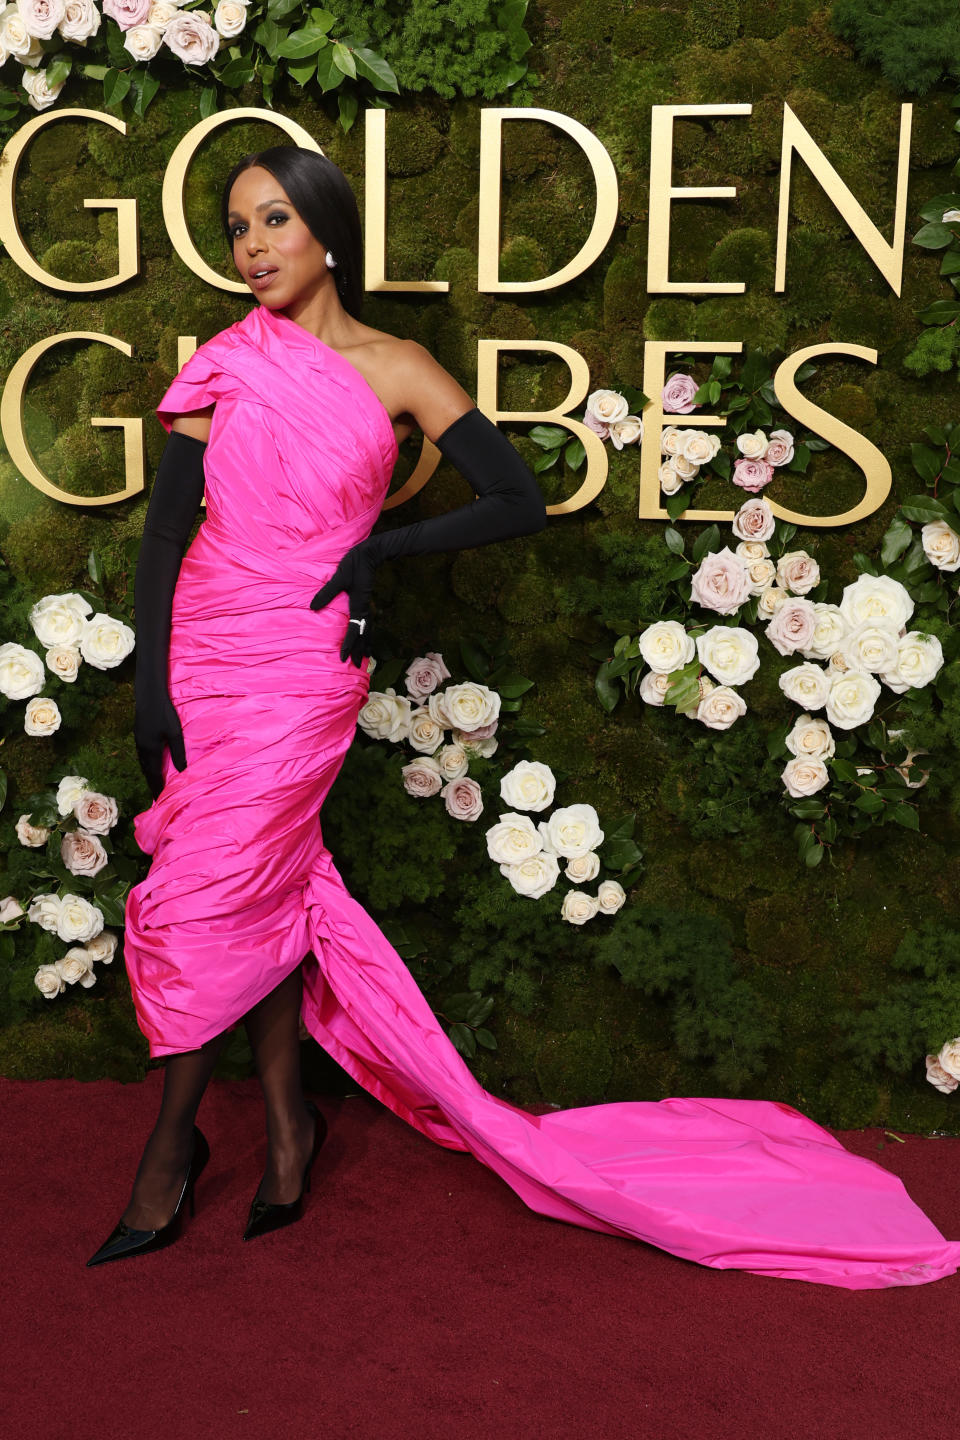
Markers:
355,574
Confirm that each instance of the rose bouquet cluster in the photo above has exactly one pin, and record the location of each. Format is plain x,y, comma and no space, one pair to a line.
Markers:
943,1070
444,726
529,855
71,917
686,449
70,633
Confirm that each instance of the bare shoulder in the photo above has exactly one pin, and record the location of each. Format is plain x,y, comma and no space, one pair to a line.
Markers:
195,423
423,390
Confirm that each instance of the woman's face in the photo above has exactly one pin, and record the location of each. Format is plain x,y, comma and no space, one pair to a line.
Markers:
268,235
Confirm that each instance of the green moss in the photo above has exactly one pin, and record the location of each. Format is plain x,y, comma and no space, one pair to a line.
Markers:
573,1067
713,22
734,317
744,256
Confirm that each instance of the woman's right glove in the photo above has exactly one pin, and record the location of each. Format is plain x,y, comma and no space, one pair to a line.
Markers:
174,504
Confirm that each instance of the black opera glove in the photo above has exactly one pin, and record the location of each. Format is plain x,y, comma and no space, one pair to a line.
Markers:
509,504
171,512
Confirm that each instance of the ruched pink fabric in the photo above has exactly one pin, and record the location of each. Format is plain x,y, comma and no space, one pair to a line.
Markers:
242,889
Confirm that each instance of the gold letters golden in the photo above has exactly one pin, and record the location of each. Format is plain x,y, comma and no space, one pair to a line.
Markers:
886,256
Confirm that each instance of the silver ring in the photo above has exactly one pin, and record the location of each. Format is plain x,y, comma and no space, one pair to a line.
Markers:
361,623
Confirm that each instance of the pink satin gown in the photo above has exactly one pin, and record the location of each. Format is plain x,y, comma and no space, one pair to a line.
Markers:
242,888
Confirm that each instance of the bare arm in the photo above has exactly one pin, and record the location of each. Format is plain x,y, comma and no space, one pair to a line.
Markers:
197,424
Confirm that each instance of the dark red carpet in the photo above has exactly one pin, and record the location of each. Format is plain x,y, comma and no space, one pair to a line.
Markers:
419,1297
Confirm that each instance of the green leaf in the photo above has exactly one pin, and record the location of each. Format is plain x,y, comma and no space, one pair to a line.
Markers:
343,59
575,454
208,101
814,855
895,541
801,459
676,504
475,660
676,571
304,71
808,809
941,312
279,9
924,508
905,815
95,72
607,692
299,44
684,687
269,35
674,540
463,1038
3,788
545,461
934,236
148,88
845,770
237,72
116,86
548,436
95,567
935,206
706,541
58,70
374,68
926,462
348,105
756,369
869,802
722,463
485,1038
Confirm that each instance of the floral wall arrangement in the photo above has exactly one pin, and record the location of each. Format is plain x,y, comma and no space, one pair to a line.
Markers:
757,950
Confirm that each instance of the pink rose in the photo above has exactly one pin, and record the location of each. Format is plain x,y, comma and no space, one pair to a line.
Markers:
41,17
422,777
792,627
754,520
779,449
95,812
424,674
482,732
83,853
462,798
722,583
191,37
678,393
596,425
751,474
128,13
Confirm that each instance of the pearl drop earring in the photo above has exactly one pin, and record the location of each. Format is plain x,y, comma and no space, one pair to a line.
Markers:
330,261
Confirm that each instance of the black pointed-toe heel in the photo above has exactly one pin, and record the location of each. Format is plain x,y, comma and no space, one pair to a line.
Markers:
266,1215
126,1241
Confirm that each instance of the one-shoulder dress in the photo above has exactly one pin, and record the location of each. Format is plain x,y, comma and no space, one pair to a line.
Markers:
241,888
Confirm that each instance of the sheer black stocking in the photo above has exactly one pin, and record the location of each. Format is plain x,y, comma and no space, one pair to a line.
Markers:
163,1166
273,1028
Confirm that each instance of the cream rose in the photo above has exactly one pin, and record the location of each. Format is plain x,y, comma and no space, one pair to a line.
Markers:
103,946
583,868
75,966
10,909
44,910
670,480
385,715
721,583
105,642
78,919
483,747
59,619
628,431
806,685
83,853
770,601
919,660
829,631
754,520
608,406
21,671
686,469
939,1077
462,798
698,446
729,653
949,1057
811,739
530,785
452,760
192,38
611,895
779,449
762,574
143,42
81,21
424,734
69,790
422,777
653,687
671,439
424,674
666,646
877,598
16,40
791,628
798,571
752,444
753,550
64,662
851,699
40,94
41,716
230,18
95,812
161,13
941,545
49,982
535,875
802,776
513,839
578,907
721,707
869,647
32,836
573,830
471,705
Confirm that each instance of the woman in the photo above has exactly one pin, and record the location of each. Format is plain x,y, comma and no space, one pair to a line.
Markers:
251,671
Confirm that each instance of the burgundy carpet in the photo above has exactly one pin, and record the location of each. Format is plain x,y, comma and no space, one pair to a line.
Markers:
419,1299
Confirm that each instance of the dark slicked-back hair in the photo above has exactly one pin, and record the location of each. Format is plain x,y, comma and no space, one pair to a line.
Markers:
321,194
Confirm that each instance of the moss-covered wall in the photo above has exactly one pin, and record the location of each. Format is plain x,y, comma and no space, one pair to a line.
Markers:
814,948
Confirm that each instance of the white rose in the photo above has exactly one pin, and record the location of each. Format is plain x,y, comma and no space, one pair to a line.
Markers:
49,981
578,907
941,545
950,217
69,790
81,21
471,705
21,671
64,662
939,1077
949,1057
804,777
31,835
628,431
807,685
42,716
877,598
10,909
424,734
230,17
513,839
671,439
721,707
573,830
811,738
422,777
103,946
666,646
543,830
434,703
798,571
78,919
685,468
869,647
830,629
732,655
385,715
583,868
484,747
533,876
838,663
96,812
752,444
40,94
143,41
530,785
105,642
58,620
753,550
41,17
76,965
762,574
653,687
611,895
670,481
851,699
161,14
453,761
15,38
607,405
919,659
44,910
770,601
698,446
